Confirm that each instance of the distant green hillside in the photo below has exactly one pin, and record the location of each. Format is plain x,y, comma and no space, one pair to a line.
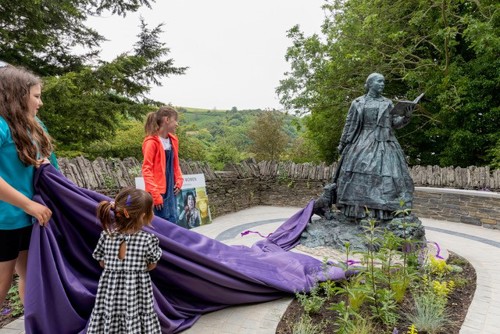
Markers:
214,120
202,118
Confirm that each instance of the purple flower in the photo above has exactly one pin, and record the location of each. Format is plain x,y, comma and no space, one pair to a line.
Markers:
5,311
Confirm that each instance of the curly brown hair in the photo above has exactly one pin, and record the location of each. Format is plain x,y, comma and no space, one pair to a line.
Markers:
31,140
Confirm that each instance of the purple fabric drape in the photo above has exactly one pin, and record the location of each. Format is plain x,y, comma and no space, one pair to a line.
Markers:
195,275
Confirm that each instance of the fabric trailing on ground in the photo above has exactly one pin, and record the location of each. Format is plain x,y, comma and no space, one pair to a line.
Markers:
195,274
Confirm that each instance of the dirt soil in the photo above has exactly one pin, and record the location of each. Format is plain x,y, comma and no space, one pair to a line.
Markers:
458,304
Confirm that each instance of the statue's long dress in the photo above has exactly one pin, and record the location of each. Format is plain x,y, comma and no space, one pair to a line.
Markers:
373,173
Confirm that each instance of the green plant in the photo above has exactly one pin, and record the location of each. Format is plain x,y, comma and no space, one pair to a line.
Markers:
283,177
429,314
399,287
305,326
345,317
312,302
16,305
109,182
135,171
385,307
460,282
403,211
357,294
329,288
438,267
459,261
443,289
398,275
406,244
362,325
387,253
373,244
351,322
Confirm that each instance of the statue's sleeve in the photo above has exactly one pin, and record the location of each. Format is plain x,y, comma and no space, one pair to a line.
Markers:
348,126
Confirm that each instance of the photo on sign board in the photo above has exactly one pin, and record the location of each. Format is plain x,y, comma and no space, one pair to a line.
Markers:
193,208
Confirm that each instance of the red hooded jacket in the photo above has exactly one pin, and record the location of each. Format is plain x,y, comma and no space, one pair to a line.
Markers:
154,166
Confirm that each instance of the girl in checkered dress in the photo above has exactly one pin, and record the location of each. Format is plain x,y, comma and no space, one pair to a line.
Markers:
124,301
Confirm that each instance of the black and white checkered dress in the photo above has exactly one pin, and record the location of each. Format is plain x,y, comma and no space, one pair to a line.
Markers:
124,301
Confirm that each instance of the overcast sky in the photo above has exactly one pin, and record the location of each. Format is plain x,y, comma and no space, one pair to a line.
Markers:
234,49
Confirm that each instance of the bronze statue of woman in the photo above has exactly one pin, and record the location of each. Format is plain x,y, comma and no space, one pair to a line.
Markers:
373,177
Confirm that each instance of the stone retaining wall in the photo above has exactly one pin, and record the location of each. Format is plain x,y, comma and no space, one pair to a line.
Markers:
287,184
463,206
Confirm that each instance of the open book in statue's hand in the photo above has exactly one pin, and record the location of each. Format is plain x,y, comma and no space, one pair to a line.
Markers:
404,107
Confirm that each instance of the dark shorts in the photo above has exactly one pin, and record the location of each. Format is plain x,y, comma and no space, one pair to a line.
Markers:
14,241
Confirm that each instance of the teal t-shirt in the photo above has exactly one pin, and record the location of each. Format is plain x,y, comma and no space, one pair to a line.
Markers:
19,176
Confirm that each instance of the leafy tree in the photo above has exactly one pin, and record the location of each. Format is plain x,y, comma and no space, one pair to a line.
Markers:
222,153
269,140
41,35
127,142
448,49
191,147
495,156
302,150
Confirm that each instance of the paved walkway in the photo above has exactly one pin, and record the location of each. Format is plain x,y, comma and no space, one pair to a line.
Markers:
478,245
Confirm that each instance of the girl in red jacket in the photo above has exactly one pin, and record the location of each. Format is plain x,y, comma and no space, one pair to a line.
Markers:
160,168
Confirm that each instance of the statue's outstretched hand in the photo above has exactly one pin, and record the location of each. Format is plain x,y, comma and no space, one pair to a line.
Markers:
409,110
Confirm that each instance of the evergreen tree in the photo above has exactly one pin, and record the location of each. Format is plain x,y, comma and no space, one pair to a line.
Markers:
41,35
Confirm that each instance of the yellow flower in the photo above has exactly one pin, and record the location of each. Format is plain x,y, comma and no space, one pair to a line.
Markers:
443,289
412,329
438,266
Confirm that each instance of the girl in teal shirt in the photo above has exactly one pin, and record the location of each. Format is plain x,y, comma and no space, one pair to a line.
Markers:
23,144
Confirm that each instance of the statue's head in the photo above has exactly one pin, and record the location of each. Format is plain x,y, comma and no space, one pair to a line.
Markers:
371,79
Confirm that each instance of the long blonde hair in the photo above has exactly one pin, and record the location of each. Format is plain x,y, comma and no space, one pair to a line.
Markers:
31,141
154,119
